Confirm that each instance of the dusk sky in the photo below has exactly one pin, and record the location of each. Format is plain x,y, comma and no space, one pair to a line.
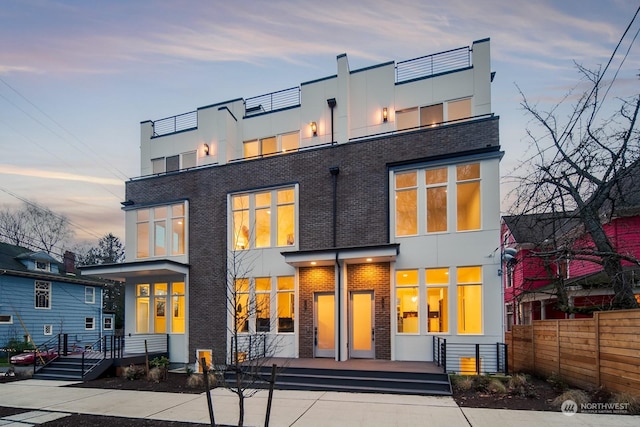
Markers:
78,77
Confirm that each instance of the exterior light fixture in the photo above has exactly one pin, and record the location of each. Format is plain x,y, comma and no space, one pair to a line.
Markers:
313,263
369,259
206,149
127,203
314,128
385,114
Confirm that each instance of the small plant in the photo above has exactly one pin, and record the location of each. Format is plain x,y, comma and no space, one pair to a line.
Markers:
632,401
557,382
161,362
133,372
481,382
188,370
518,385
578,396
161,366
197,380
462,382
496,386
156,375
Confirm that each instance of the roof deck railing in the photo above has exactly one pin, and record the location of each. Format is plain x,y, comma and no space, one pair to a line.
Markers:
173,124
430,65
272,101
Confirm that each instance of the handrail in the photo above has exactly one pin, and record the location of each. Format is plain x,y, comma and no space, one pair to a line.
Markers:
173,124
272,101
430,65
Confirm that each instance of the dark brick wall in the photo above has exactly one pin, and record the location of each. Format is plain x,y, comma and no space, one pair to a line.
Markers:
311,279
362,206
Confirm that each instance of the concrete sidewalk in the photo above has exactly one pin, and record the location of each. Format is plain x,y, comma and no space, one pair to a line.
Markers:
290,408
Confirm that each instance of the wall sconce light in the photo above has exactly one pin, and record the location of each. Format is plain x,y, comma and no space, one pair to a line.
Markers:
314,128
206,149
385,114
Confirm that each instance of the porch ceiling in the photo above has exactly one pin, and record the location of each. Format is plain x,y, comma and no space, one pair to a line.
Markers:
131,270
348,255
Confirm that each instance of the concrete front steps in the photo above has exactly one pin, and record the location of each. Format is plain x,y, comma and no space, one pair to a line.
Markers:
347,380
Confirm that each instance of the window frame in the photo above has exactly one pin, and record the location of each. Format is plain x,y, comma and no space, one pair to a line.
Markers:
467,284
89,323
47,329
174,226
6,319
107,324
279,145
89,297
42,265
415,287
243,224
48,294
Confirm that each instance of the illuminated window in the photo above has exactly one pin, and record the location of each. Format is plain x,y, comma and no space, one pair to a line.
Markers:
263,304
177,307
142,308
162,229
406,203
241,311
42,294
436,194
431,115
468,196
271,145
468,366
160,304
407,119
437,299
257,215
469,300
407,301
285,301
459,109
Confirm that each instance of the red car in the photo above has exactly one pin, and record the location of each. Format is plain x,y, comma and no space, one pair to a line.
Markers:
27,358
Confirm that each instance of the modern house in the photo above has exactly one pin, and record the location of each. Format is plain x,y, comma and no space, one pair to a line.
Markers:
532,267
41,298
358,211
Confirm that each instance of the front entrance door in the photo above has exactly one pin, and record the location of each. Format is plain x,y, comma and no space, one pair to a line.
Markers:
361,325
324,337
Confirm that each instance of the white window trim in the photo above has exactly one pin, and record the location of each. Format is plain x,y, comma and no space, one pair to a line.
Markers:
89,298
47,330
7,322
47,265
110,322
168,230
50,291
93,324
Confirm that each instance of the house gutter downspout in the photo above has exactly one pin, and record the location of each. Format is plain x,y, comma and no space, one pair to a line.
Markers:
334,173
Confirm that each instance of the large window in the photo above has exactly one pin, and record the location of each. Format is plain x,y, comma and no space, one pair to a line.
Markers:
433,115
407,301
437,280
174,163
254,300
406,203
468,196
160,307
263,219
469,300
422,204
42,294
271,145
161,231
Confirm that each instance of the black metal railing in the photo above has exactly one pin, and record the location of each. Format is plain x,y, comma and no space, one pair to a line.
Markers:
470,358
173,124
272,101
433,64
249,347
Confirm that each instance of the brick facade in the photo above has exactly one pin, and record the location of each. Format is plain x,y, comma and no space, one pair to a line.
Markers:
362,212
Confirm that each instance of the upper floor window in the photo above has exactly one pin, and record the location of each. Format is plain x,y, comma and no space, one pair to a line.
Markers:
89,295
42,294
174,163
422,203
161,231
271,145
263,219
43,266
433,115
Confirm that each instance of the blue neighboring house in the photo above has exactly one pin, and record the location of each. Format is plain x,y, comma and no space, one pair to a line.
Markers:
41,298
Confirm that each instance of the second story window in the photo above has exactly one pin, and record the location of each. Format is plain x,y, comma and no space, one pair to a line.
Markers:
263,219
271,145
89,295
42,294
43,266
161,231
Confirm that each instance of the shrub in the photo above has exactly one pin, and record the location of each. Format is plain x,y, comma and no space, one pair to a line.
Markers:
197,380
631,400
557,382
462,383
519,385
156,375
496,386
133,372
160,362
578,396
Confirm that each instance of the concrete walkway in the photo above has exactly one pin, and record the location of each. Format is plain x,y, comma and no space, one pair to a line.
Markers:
290,408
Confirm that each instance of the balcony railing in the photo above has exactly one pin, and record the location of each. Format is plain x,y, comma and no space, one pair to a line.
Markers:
272,101
433,64
173,124
481,358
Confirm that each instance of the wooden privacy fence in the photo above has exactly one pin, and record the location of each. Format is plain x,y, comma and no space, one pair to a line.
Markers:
601,351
